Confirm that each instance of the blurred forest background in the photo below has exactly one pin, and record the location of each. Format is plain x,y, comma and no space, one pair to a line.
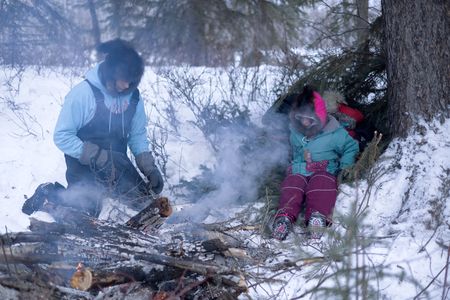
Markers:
194,32
367,50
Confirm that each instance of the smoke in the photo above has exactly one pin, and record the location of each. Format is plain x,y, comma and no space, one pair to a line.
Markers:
83,197
246,157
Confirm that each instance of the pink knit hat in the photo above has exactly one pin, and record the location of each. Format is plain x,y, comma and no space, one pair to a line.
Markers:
320,108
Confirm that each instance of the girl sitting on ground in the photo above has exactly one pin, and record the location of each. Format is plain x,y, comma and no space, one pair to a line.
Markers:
321,148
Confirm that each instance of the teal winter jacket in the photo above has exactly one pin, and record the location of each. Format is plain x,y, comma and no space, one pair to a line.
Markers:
333,144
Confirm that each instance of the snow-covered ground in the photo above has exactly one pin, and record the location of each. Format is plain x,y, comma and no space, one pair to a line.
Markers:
405,217
407,205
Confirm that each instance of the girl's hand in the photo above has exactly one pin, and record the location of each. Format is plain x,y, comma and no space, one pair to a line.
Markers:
317,166
307,156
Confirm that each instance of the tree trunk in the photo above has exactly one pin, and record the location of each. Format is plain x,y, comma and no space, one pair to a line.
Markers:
417,49
362,21
94,20
116,26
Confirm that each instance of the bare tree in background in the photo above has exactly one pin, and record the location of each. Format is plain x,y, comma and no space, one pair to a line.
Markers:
418,49
343,23
194,32
38,32
95,26
214,32
362,20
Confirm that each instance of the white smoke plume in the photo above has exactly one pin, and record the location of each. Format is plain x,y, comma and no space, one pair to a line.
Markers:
246,156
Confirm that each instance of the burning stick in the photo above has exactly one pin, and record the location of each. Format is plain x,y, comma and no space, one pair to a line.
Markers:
165,209
152,216
82,278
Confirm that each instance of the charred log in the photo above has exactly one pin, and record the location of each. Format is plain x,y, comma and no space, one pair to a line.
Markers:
114,254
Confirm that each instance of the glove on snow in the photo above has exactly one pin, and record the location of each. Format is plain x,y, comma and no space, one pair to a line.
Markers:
146,163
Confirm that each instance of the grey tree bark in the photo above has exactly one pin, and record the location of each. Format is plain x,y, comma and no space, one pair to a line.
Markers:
94,19
417,49
362,21
116,26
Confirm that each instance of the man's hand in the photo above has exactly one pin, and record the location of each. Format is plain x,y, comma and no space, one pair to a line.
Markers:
146,163
93,155
156,183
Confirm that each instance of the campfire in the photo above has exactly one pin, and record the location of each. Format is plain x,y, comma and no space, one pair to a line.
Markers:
86,257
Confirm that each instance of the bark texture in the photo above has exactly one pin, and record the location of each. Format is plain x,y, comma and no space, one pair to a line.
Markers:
95,25
417,49
362,21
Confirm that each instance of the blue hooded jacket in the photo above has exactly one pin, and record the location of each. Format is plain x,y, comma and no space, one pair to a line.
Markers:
79,108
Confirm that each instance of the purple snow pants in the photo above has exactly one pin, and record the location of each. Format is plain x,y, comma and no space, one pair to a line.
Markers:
319,191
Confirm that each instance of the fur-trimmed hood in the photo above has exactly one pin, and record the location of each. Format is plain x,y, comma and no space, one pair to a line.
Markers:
331,125
116,104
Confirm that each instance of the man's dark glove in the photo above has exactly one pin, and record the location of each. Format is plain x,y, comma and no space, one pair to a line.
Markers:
93,155
146,163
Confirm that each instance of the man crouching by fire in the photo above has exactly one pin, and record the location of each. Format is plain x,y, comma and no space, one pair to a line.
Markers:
101,118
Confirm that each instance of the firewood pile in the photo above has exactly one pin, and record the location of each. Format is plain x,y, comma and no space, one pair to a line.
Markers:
80,257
